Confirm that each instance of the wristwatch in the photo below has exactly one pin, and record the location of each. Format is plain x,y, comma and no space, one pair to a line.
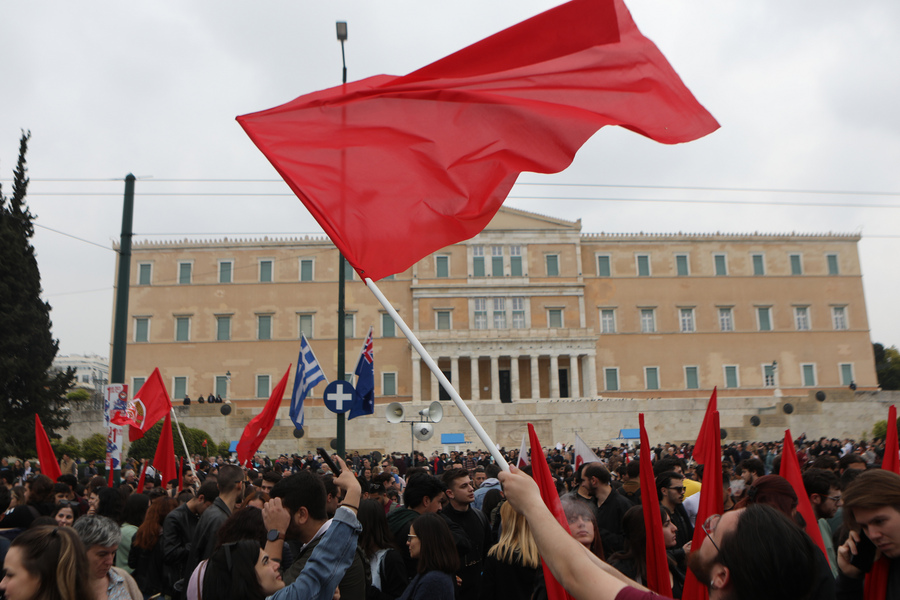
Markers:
274,535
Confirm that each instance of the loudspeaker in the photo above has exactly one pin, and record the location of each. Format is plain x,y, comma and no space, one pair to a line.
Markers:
436,411
788,408
754,420
298,433
376,456
394,412
225,409
423,431
820,395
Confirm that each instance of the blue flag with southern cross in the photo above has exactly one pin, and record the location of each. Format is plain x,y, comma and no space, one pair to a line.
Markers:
364,402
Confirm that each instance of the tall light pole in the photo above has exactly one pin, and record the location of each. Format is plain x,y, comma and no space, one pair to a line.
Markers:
341,435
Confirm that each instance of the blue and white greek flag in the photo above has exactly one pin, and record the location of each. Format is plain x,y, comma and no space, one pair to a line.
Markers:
309,375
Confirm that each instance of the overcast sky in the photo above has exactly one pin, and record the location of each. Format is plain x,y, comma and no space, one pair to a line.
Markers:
807,93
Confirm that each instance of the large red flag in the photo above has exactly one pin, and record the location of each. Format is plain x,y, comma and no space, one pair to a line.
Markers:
443,146
541,474
164,459
150,404
790,470
657,563
46,457
712,501
707,445
260,426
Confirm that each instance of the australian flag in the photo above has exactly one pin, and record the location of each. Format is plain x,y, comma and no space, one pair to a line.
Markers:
364,401
309,375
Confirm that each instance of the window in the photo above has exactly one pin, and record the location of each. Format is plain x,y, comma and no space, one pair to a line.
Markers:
223,328
497,261
305,326
225,269
265,272
518,313
221,386
264,327
846,373
839,317
611,376
691,378
443,319
554,318
726,319
478,261
648,320
515,261
796,264
349,325
682,268
442,266
607,320
721,264
480,315
307,269
179,387
809,375
759,264
142,329
145,273
833,269
604,268
388,384
499,313
552,265
136,384
651,377
184,272
643,265
764,318
769,375
801,318
388,329
348,271
262,386
182,329
731,376
686,317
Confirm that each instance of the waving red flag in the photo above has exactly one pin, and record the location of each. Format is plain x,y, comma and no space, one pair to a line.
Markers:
657,563
708,445
140,487
164,459
790,470
150,404
46,456
260,426
442,146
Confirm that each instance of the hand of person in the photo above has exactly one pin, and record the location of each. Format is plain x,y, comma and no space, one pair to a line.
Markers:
847,550
521,491
347,479
687,547
275,515
337,594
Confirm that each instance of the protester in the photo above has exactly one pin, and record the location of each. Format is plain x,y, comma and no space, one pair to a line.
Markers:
386,566
513,563
100,536
431,545
632,562
46,563
132,516
146,558
38,497
583,526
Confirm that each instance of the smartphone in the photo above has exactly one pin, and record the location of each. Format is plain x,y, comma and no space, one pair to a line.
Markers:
865,554
334,468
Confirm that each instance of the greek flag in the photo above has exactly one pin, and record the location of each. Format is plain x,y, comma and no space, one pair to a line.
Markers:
309,375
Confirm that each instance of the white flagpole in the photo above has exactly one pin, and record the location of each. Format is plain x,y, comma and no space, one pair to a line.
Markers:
448,387
184,444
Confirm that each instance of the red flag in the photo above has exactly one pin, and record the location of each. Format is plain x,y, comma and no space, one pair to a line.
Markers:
541,474
140,487
523,460
705,443
790,470
443,146
891,460
109,481
711,499
164,459
657,563
260,426
46,457
180,473
150,404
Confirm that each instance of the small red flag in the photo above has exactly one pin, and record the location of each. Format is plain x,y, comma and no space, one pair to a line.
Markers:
657,563
442,147
140,487
260,426
109,480
541,474
891,460
164,459
523,460
790,470
583,453
150,404
706,444
46,456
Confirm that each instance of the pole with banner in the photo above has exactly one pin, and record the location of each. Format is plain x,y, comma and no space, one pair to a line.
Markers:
115,398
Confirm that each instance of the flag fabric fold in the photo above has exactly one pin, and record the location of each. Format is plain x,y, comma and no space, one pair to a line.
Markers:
309,374
140,487
164,459
260,425
523,460
657,563
46,456
583,453
707,446
790,470
364,399
891,460
150,404
394,168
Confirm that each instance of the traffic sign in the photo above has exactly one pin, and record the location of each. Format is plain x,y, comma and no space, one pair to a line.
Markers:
339,396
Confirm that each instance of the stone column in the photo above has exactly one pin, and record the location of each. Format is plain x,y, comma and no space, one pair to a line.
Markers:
417,379
514,378
535,379
554,376
575,375
592,376
495,378
476,386
454,373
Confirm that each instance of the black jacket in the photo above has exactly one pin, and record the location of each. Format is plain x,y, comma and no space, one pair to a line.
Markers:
177,540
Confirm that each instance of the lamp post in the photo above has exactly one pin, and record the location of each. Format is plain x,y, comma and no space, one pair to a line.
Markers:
341,27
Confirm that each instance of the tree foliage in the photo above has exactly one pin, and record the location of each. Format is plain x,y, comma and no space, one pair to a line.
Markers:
28,384
94,448
70,446
146,446
887,366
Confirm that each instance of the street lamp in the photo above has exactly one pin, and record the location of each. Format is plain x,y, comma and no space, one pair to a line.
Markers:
342,37
341,437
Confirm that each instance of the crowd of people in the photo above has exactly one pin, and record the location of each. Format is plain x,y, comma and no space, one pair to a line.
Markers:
451,526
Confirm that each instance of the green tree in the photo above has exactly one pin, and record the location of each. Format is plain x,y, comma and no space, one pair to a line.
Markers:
887,366
146,446
70,446
94,447
79,395
879,430
28,384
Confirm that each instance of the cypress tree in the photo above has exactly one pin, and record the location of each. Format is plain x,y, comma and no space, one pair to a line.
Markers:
28,383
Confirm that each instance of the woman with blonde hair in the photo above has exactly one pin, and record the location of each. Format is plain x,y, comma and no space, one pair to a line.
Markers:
46,563
513,562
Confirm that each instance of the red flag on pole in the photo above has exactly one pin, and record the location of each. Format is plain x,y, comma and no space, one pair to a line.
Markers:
260,426
657,563
46,456
790,470
891,460
140,487
443,146
150,404
109,481
164,459
180,473
583,453
541,474
707,444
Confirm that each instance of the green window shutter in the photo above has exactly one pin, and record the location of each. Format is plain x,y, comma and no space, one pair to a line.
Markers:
796,265
389,385
731,377
721,265
442,266
223,329
306,270
552,265
184,273
765,321
515,266
142,330
179,390
759,264
603,268
652,374
387,326
846,374
692,380
144,274
833,265
265,271
681,265
478,266
809,375
182,329
643,266
612,380
221,386
225,272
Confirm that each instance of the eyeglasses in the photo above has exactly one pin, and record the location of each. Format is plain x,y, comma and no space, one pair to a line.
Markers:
709,527
411,536
835,499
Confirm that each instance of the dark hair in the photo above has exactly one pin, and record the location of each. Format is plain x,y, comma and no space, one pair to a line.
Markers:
851,459
111,504
41,488
243,524
420,487
872,489
68,479
135,509
56,557
437,552
230,476
375,535
490,501
272,477
664,480
668,464
331,488
825,461
231,572
820,481
209,490
61,488
633,469
635,532
597,470
492,471
754,465
451,475
303,489
148,533
773,490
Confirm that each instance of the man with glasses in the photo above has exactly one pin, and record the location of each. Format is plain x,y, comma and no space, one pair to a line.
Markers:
824,490
670,486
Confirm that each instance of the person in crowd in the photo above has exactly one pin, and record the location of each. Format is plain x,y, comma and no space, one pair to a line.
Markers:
64,514
256,499
489,483
110,503
230,480
824,491
100,536
474,526
512,564
178,532
146,557
46,563
423,494
132,516
386,566
583,526
632,562
431,545
38,501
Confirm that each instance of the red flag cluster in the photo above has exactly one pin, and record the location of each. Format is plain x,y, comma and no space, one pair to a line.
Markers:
657,563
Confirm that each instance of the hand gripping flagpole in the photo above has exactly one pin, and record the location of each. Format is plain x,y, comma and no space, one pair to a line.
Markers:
445,383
